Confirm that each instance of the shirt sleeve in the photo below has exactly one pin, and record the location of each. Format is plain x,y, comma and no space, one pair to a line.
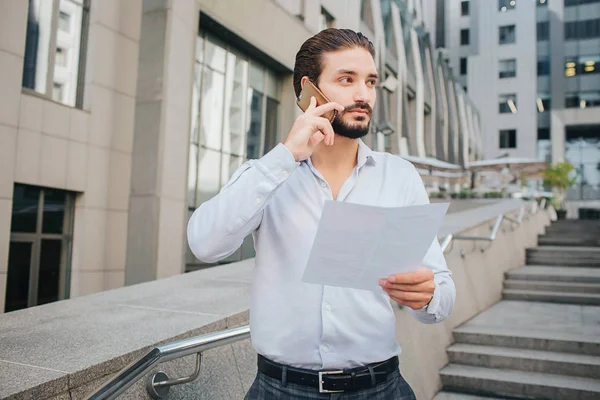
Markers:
218,227
444,294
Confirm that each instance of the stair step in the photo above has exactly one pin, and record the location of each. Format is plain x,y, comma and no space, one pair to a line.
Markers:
518,383
542,285
564,256
555,274
549,362
564,240
461,396
526,339
552,297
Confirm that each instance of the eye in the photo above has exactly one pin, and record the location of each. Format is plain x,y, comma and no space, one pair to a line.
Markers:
372,82
346,79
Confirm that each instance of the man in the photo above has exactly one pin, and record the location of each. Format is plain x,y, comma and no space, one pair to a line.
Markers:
302,331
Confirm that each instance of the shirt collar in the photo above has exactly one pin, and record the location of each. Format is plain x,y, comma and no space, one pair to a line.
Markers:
365,155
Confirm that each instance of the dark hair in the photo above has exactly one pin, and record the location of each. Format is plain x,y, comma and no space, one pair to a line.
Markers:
310,56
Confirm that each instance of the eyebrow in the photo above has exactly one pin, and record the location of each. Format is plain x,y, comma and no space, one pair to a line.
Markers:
353,73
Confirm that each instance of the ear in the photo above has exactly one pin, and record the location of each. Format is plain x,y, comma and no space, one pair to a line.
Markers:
303,81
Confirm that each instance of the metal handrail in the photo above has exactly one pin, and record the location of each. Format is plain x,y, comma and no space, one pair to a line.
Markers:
158,384
449,239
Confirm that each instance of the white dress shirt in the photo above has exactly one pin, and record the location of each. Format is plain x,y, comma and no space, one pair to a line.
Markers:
280,202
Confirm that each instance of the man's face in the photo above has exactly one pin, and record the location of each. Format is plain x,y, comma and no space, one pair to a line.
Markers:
349,78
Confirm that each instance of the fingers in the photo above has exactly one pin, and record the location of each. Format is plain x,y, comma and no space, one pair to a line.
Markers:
324,126
322,109
422,274
312,105
398,295
428,286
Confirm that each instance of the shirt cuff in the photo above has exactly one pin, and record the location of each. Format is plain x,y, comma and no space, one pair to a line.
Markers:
277,164
434,305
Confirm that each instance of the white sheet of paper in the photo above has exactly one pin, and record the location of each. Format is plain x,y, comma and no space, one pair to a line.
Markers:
356,245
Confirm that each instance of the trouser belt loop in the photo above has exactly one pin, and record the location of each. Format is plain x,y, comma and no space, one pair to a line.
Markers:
373,380
284,376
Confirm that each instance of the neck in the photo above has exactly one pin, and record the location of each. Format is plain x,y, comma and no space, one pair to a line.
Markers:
341,155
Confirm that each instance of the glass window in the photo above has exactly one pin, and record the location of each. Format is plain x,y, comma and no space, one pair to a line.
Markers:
582,65
271,125
543,102
508,139
255,120
64,21
235,105
582,99
54,211
463,66
543,31
61,57
578,2
577,30
507,34
543,66
234,136
211,121
215,54
325,20
543,134
209,174
507,68
507,103
41,233
464,37
25,208
49,272
505,5
18,277
54,63
464,8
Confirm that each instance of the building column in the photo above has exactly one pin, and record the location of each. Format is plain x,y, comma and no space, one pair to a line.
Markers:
157,218
557,137
13,27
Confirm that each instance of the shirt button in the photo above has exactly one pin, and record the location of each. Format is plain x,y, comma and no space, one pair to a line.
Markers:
327,307
325,349
284,174
258,200
324,184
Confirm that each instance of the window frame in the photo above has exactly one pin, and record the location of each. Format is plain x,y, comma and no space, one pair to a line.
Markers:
462,8
36,238
468,40
500,33
506,144
514,70
52,46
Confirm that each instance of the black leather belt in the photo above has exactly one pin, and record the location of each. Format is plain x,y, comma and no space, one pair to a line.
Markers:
331,381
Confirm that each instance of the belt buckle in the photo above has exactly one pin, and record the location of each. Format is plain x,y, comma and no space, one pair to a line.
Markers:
321,373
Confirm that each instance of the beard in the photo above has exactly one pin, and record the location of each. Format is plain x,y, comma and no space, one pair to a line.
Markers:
352,131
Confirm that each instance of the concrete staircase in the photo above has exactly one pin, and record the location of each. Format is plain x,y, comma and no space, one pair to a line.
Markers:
542,341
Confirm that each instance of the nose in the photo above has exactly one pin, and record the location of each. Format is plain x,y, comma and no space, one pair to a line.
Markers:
361,94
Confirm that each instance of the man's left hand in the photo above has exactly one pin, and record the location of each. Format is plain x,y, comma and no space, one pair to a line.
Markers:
411,289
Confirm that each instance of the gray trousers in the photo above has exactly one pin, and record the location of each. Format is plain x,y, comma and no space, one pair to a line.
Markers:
267,388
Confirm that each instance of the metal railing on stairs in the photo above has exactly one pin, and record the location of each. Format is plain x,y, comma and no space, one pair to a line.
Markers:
159,384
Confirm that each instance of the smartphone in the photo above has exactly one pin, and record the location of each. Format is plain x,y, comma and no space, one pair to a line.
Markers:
309,90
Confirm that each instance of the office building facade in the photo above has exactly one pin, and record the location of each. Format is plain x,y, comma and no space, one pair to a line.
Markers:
533,69
118,118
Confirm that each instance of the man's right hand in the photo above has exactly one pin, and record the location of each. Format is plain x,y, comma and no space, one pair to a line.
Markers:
310,129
